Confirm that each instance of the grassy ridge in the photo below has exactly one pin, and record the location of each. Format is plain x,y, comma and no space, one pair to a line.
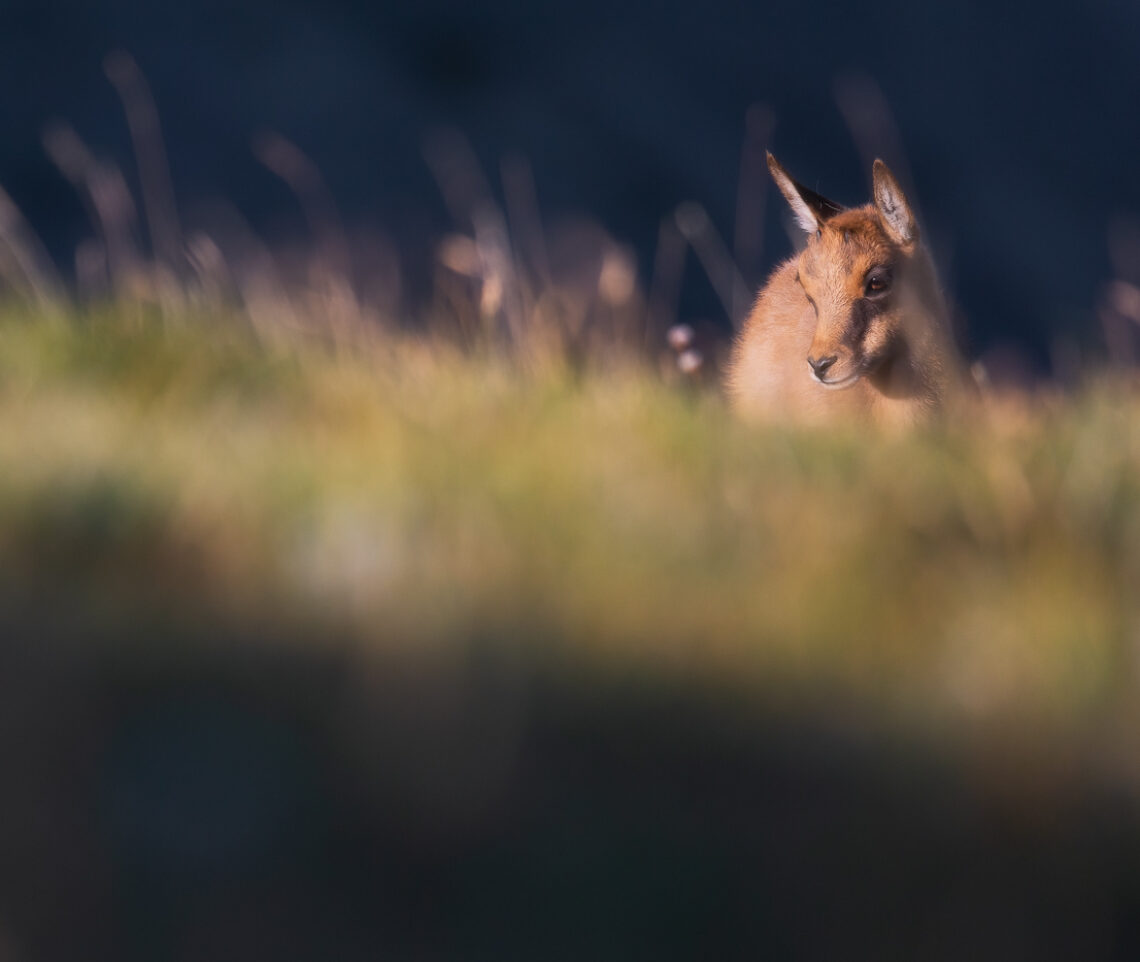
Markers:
411,494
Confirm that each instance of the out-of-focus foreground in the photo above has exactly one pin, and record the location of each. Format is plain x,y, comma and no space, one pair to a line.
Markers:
373,642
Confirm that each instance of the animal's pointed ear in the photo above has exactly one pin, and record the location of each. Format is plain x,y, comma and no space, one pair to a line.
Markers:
894,211
811,209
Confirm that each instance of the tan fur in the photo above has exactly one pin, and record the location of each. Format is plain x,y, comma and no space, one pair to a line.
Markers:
895,360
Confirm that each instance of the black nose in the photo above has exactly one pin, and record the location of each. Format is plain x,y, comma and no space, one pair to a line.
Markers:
821,364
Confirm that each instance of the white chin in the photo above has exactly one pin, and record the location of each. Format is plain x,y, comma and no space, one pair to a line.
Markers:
843,383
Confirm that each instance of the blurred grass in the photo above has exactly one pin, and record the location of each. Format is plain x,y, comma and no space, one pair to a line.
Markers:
406,494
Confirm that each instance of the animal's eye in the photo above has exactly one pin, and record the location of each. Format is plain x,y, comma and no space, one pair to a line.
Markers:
818,233
878,283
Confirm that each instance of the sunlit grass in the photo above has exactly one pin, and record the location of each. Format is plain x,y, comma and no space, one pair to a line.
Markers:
408,494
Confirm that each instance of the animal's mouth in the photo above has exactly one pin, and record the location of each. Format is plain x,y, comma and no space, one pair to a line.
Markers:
838,384
863,367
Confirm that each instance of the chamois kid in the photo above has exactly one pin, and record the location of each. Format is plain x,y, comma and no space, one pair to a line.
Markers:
852,326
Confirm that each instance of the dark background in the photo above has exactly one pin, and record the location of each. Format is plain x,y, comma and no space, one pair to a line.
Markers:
1016,124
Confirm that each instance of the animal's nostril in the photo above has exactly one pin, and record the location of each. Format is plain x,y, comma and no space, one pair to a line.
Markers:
821,364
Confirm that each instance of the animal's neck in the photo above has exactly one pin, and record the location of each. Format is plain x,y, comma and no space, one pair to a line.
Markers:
923,360
902,374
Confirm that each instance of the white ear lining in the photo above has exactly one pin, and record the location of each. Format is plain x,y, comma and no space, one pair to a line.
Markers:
892,206
894,213
805,216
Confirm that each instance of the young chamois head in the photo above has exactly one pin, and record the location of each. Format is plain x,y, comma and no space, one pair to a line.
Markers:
870,282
